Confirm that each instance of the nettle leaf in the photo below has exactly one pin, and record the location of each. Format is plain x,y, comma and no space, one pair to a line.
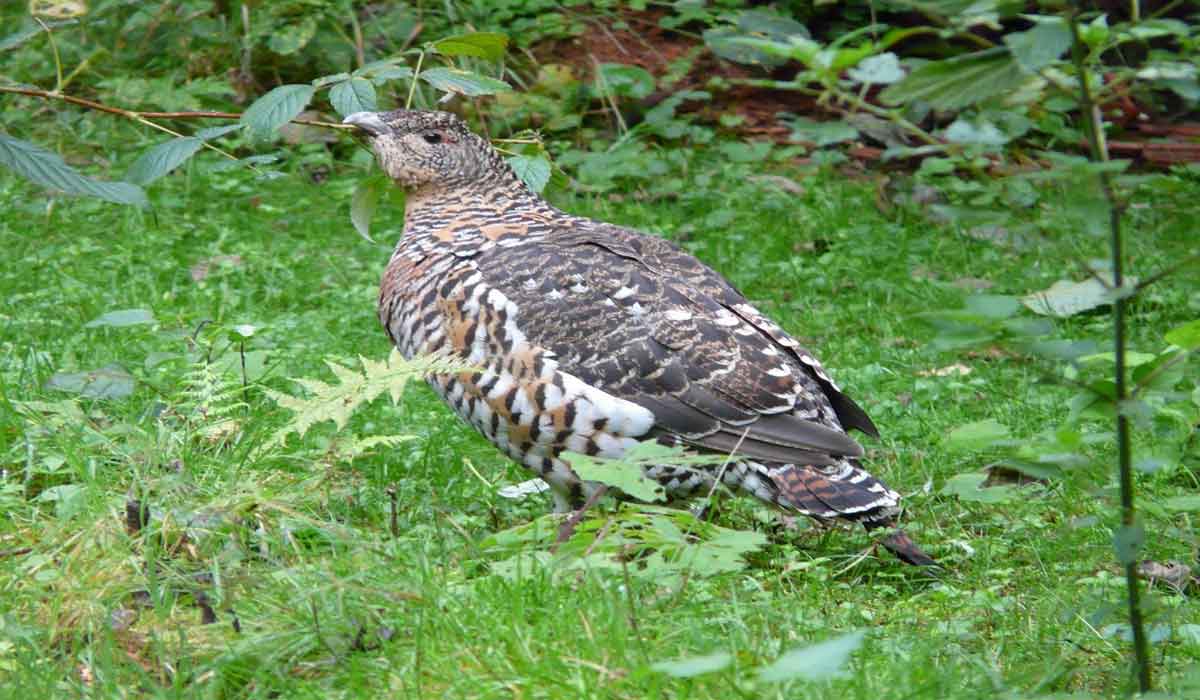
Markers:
216,132
958,82
290,38
628,477
353,95
487,45
881,69
162,159
977,435
277,107
976,132
1186,336
534,171
49,170
817,662
1040,46
363,203
380,72
694,665
463,82
122,318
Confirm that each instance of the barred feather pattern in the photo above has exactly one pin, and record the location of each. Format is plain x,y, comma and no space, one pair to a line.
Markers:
588,337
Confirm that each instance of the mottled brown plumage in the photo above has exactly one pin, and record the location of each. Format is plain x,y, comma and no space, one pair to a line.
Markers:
589,337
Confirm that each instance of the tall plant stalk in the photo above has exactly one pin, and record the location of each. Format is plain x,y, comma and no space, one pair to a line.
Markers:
1099,153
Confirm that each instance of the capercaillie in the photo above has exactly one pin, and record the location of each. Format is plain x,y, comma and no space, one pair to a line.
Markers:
588,337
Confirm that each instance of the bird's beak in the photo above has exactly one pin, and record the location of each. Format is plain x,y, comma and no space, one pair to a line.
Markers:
368,122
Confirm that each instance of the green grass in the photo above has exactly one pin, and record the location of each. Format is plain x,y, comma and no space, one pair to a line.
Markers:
314,597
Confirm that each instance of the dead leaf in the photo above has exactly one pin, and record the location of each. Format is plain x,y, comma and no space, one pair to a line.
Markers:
973,283
1176,575
786,184
956,369
201,269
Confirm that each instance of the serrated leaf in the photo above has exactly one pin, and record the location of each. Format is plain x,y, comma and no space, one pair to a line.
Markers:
382,71
463,82
628,478
978,132
1186,336
534,171
330,79
821,133
1041,45
977,435
694,665
162,159
624,80
277,107
880,69
122,318
48,169
362,205
336,402
954,83
487,45
1128,541
816,662
353,95
214,132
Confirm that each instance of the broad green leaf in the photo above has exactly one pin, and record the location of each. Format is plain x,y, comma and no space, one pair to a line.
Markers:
353,95
330,79
109,382
1186,336
534,171
162,159
969,487
1183,504
362,205
48,169
1128,541
694,665
488,45
626,81
777,34
881,69
627,477
290,38
977,132
463,82
954,83
819,661
1040,46
122,318
821,133
977,435
214,132
992,305
380,72
277,107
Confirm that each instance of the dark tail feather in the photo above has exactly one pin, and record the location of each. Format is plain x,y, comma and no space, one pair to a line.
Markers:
900,544
839,491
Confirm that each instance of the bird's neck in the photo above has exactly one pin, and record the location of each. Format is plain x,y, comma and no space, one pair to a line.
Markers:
427,207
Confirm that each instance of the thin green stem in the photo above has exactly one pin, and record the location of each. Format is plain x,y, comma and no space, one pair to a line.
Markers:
1091,117
412,90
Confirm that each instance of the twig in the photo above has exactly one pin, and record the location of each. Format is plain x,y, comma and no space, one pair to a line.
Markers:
132,114
568,527
1091,114
1190,260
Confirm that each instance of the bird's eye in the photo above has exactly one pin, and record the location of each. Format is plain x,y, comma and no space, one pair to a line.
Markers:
432,137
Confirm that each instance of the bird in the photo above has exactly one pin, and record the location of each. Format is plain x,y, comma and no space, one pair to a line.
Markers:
587,337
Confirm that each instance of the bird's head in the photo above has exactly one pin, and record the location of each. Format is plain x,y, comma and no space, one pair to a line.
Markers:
425,149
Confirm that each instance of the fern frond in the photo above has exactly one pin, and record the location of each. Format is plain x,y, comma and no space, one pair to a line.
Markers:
337,401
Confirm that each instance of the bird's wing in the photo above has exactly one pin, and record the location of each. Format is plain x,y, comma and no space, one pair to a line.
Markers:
646,322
